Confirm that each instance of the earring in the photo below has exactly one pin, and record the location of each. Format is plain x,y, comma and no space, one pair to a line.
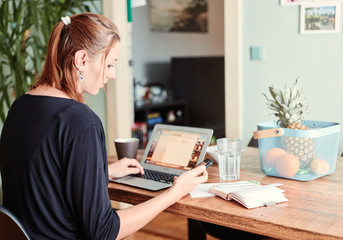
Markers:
81,77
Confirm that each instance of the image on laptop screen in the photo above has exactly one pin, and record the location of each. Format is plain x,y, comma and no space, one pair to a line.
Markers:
162,150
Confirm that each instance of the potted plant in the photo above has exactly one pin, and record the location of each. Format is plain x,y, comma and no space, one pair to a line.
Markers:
25,27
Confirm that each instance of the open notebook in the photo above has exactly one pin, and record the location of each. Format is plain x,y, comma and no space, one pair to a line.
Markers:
170,151
250,194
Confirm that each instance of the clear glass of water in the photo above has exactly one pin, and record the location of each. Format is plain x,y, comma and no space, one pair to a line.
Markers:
229,150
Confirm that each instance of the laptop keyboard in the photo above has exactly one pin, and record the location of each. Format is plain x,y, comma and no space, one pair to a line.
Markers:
157,176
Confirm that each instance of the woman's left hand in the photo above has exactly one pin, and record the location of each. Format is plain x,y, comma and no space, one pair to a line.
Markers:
124,167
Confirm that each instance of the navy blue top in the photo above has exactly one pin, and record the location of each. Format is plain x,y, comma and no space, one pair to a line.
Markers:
53,163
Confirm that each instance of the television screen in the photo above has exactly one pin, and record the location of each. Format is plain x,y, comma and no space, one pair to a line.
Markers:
200,80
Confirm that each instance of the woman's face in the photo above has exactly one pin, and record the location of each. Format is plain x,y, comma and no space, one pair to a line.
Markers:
98,71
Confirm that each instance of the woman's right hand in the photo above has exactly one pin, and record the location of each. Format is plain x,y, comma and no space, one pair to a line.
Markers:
187,181
135,217
124,167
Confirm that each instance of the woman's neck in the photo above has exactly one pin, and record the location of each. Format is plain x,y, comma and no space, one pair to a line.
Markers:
45,90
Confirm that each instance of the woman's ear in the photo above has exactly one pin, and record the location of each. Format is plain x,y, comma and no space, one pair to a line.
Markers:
80,60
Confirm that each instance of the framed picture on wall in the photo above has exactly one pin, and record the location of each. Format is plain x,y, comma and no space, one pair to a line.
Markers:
179,16
293,2
320,17
300,2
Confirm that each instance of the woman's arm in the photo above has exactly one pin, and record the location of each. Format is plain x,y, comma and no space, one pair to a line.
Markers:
135,217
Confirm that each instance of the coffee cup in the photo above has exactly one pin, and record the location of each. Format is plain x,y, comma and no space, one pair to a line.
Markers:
126,147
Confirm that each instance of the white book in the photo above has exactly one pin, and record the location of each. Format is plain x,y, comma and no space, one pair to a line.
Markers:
250,194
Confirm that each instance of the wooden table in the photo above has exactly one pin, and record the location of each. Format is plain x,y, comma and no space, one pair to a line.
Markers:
314,209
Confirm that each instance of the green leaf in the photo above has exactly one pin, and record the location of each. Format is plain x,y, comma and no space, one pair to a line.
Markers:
24,57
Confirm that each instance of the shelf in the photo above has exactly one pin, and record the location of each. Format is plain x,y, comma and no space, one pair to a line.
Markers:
172,112
169,104
163,113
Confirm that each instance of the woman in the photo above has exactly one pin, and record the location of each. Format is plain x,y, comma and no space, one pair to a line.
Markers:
53,152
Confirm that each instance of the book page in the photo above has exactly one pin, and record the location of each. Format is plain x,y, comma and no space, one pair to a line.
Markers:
224,189
259,196
250,194
202,190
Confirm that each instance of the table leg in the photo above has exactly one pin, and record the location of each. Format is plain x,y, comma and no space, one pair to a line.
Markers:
195,231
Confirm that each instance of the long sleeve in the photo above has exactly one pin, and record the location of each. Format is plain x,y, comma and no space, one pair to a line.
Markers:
86,185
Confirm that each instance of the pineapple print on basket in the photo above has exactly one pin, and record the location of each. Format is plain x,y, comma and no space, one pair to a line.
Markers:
289,109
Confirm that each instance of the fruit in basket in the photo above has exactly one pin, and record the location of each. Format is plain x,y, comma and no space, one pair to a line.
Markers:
287,165
320,167
271,156
289,109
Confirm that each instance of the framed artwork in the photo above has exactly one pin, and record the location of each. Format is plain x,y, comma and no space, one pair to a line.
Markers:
293,2
179,16
319,17
300,2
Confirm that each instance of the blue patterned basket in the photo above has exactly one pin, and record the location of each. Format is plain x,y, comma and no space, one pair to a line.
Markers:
315,149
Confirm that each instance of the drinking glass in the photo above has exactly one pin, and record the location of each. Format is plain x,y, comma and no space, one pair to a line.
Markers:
229,150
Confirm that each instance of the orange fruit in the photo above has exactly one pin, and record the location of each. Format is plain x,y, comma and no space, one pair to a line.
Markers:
287,165
271,156
319,167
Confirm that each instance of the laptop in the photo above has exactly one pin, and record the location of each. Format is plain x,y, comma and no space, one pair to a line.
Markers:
171,150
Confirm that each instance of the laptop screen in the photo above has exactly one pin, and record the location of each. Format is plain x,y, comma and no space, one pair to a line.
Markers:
175,149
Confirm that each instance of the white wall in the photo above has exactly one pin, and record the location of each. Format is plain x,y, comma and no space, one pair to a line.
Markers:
153,47
316,59
120,104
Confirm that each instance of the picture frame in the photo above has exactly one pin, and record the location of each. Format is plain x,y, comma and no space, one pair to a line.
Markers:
320,17
300,2
294,2
179,16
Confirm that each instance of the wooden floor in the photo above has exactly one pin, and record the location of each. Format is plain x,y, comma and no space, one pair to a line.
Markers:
165,226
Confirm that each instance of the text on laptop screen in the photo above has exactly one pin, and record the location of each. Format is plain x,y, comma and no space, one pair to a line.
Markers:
176,149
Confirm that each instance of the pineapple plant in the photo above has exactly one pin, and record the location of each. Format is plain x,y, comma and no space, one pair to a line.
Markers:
289,110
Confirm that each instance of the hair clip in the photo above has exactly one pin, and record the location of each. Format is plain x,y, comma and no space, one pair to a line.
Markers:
66,20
